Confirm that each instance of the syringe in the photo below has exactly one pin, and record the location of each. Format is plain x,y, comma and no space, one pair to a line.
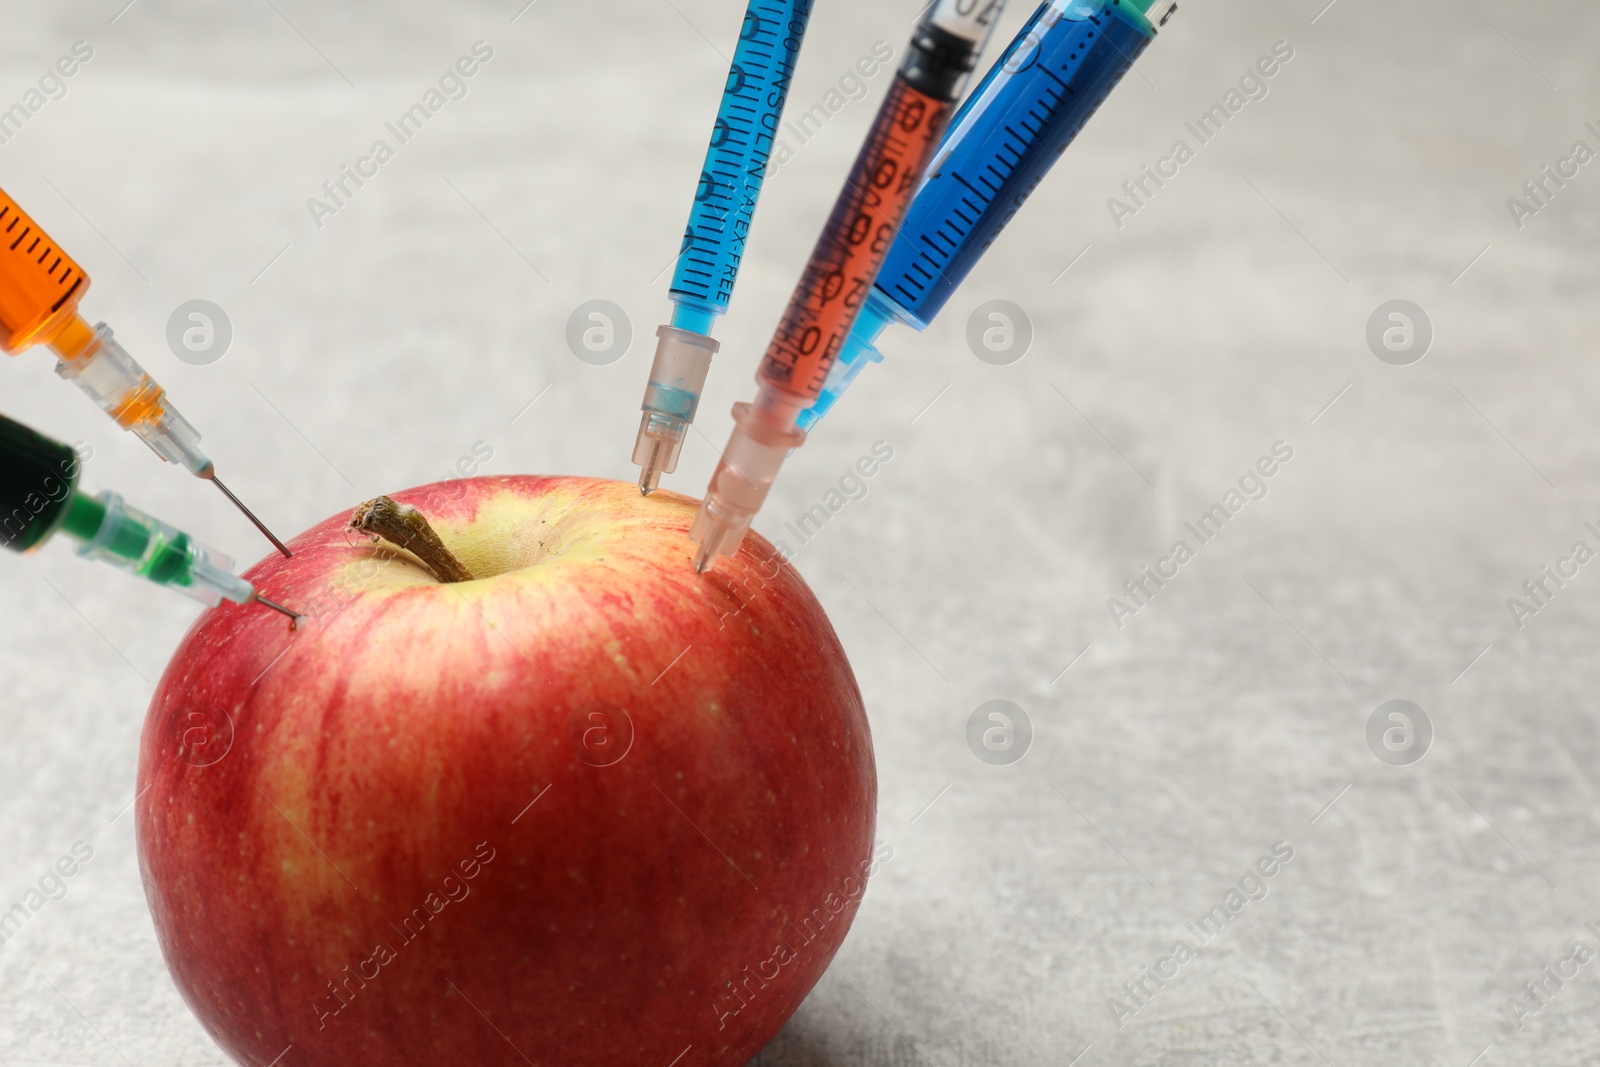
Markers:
39,498
40,289
843,266
719,222
1001,144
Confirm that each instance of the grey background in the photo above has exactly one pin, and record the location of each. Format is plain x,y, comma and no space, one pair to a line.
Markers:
1227,315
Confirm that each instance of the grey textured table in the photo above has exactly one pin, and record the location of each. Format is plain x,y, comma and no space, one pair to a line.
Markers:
1227,312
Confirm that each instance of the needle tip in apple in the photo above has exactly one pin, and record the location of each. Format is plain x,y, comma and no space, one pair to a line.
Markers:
294,616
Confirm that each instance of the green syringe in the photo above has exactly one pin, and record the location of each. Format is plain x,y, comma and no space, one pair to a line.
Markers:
39,498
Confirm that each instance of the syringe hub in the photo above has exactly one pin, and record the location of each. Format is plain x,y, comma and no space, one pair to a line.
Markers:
677,378
857,353
764,434
141,544
101,367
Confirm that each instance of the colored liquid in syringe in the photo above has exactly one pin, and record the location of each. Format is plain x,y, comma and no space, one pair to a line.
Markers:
1002,142
847,257
1005,139
40,285
741,145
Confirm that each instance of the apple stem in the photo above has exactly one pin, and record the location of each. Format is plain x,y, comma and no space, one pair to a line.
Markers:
405,527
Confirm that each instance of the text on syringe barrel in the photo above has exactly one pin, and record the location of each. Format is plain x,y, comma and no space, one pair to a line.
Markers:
1002,143
741,146
852,247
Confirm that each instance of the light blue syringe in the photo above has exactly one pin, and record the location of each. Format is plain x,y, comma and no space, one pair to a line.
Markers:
1000,145
719,223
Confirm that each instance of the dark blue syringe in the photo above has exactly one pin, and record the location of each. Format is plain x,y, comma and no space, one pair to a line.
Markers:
719,222
1001,144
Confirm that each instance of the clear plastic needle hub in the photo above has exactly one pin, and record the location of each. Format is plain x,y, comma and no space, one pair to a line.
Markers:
95,362
677,377
140,544
764,434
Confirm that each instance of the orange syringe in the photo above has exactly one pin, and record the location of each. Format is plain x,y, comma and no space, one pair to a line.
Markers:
40,290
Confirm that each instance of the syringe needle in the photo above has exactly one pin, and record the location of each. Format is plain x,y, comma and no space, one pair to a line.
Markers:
279,545
294,616
650,476
705,555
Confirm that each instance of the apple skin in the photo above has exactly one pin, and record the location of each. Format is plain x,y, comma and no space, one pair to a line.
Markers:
334,824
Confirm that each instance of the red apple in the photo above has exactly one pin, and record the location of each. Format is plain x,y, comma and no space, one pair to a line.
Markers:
589,808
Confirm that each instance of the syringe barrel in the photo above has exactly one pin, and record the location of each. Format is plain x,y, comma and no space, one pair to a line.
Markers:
839,275
37,480
40,285
140,544
1003,141
736,161
872,206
